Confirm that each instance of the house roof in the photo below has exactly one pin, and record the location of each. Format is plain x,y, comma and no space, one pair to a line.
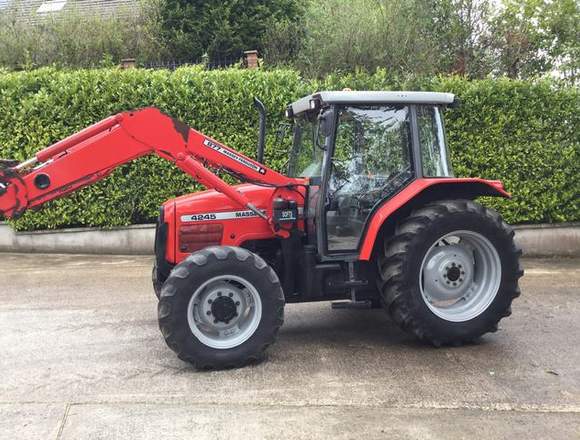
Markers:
33,10
372,98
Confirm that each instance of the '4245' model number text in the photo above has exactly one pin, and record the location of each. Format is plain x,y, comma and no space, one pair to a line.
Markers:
200,217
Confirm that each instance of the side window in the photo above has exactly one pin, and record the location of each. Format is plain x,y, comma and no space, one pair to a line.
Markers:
432,141
306,155
371,162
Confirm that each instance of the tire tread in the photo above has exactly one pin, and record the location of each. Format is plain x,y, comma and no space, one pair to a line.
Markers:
184,270
392,269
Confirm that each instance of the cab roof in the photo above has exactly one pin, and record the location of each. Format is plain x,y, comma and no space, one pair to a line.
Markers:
371,98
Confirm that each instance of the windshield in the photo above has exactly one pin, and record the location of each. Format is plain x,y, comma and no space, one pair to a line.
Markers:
306,155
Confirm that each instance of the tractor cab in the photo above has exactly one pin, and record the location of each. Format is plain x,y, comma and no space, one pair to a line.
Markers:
358,150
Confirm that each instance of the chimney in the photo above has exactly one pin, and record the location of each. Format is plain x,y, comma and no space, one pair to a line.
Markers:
127,63
251,59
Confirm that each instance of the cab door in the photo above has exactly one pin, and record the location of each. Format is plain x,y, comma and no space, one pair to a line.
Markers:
371,160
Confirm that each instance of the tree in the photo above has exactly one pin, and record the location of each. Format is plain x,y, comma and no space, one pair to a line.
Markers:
345,36
220,29
533,37
463,35
407,37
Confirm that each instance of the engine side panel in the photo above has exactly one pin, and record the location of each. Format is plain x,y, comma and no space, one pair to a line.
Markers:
210,218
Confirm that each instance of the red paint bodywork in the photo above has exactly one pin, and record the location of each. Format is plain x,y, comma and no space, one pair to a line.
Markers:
235,231
487,187
93,153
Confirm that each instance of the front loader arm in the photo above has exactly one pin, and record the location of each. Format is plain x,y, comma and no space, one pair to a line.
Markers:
93,153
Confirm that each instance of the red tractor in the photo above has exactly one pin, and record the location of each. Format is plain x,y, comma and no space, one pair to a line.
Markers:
368,215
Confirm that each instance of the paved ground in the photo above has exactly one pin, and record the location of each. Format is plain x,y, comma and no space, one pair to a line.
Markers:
81,358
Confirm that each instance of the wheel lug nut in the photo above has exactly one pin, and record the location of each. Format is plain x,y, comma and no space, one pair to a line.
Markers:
208,312
209,301
215,321
231,294
237,303
219,294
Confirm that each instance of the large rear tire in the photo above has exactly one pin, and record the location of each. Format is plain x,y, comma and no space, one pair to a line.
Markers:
450,272
221,308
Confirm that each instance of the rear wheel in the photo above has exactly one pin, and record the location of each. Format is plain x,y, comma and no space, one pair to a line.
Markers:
450,272
221,307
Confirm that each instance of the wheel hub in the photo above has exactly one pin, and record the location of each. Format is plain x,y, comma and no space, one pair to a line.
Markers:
447,273
460,275
224,309
453,273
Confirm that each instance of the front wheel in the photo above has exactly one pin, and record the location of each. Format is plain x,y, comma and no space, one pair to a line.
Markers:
221,307
450,272
157,283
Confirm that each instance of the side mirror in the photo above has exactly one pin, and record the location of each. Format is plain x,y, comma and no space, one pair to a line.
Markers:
281,135
282,132
325,121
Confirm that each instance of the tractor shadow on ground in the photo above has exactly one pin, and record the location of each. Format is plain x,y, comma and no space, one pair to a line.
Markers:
369,328
326,326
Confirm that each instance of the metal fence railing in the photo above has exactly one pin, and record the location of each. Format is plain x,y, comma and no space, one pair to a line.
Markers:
215,63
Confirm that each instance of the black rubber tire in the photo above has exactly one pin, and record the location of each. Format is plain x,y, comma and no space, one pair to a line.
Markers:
188,275
157,284
402,256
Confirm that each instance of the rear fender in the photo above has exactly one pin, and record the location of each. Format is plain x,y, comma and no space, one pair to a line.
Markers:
420,192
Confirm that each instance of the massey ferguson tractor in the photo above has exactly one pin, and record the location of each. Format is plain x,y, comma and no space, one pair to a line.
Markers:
368,215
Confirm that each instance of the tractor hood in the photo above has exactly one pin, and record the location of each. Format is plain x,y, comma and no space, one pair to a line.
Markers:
209,218
212,201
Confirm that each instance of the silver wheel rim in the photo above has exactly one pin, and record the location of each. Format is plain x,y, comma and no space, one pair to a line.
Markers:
460,276
224,312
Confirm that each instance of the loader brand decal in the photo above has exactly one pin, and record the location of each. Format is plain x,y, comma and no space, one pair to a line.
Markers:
233,156
231,215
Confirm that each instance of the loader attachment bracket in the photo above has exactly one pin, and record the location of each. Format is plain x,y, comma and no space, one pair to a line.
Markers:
13,187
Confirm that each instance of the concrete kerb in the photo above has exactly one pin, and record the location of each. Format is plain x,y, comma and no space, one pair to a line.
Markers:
130,240
549,240
535,240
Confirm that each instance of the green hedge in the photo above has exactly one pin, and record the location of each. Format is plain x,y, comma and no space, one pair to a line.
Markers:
523,133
